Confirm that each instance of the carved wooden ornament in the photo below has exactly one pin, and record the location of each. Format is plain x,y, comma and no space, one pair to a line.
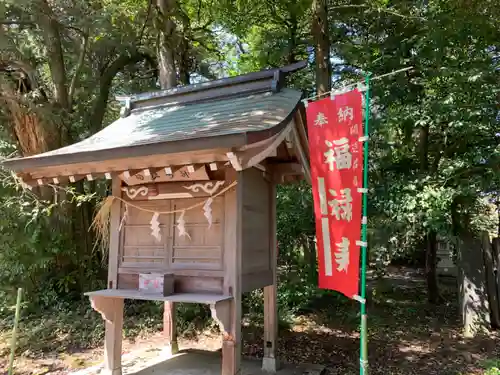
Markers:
133,192
208,187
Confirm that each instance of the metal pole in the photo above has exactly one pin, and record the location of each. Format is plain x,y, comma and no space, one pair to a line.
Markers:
363,353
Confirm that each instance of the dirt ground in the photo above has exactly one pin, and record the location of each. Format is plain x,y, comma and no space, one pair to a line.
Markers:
406,337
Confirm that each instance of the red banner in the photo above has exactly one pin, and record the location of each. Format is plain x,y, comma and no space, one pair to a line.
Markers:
335,126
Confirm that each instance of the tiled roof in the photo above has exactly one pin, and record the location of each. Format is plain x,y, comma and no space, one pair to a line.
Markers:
174,122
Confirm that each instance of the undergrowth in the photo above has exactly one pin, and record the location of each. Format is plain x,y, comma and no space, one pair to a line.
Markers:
68,326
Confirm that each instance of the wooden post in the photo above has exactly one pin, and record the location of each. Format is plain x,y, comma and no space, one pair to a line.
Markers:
111,310
270,362
170,329
114,234
490,279
231,341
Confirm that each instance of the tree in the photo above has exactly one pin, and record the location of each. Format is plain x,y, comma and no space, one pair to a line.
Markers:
434,142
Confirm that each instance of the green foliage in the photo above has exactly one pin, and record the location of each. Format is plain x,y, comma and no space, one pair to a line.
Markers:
492,367
434,145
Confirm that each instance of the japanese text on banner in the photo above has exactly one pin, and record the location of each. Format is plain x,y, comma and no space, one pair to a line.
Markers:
335,128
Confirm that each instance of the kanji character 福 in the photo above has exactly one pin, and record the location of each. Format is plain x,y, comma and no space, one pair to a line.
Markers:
339,154
342,254
341,207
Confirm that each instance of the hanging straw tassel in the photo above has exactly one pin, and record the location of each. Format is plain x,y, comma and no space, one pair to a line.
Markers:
101,224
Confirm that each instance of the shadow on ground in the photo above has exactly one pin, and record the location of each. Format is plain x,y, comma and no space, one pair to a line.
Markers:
406,335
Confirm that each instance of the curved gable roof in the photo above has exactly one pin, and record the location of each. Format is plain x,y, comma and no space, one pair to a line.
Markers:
244,110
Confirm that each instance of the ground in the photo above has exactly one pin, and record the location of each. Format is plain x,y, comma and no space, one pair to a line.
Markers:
406,336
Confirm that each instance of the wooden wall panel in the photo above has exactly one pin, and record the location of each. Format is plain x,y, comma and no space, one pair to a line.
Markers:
138,247
182,284
256,226
188,284
197,261
203,248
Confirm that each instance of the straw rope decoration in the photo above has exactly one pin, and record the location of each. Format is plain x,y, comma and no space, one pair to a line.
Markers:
100,224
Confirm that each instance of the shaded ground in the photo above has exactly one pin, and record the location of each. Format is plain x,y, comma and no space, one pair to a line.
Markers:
406,336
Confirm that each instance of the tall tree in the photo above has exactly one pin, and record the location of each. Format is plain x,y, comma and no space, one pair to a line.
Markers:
321,40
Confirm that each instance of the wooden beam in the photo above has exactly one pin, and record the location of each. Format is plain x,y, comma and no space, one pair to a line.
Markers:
120,165
301,150
172,190
235,161
254,156
270,361
57,180
167,174
280,170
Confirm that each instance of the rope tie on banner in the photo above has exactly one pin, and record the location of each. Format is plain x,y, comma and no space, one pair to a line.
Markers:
359,299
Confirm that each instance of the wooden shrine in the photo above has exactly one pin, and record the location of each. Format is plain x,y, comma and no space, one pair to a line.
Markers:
193,172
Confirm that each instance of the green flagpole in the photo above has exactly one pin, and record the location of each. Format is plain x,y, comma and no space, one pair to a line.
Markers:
363,353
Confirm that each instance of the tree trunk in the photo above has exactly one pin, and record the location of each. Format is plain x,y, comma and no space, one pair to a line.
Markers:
424,148
184,57
431,269
313,269
498,212
321,42
167,43
491,287
184,76
431,238
473,299
101,102
52,39
292,35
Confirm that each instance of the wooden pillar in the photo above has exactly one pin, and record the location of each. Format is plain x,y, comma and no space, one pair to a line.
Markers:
114,234
231,341
170,329
111,310
270,361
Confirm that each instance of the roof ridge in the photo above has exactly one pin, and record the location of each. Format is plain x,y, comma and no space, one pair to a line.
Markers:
263,75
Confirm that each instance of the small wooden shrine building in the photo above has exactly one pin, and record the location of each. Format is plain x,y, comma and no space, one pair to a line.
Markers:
193,173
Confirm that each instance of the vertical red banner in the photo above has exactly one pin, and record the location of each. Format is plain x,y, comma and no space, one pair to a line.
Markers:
335,126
